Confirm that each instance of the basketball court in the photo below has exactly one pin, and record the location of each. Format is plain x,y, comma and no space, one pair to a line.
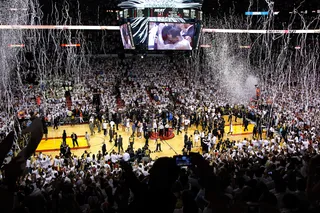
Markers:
169,147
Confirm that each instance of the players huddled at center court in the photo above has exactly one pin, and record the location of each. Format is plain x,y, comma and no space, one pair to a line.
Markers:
262,174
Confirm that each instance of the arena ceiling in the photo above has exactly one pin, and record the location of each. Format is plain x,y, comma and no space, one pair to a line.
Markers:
95,11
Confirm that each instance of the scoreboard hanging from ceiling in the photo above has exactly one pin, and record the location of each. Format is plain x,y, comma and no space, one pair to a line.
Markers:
142,13
162,12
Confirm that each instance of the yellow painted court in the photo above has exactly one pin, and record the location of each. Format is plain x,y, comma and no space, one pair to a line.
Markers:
169,148
54,144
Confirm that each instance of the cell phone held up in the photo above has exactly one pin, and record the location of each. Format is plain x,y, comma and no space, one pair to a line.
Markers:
183,160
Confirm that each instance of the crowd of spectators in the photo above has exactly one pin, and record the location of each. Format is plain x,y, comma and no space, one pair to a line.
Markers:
278,172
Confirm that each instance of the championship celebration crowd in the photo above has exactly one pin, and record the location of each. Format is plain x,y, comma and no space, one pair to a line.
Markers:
278,170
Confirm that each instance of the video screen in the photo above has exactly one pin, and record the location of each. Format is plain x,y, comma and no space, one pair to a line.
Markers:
126,37
170,36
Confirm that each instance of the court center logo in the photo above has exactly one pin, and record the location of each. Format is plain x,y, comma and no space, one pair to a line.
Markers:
194,4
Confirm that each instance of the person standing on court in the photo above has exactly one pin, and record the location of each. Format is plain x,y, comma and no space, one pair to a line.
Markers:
91,127
131,141
158,147
245,123
166,130
133,128
104,127
64,137
120,144
98,124
147,139
179,127
104,149
185,139
56,122
189,144
111,134
87,137
74,138
161,130
45,128
81,117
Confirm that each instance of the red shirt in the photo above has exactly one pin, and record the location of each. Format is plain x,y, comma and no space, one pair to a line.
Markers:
38,100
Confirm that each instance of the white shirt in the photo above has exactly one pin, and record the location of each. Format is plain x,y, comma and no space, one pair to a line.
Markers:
306,144
114,158
75,161
88,159
196,137
87,137
56,162
214,140
107,166
112,124
107,157
126,156
240,145
28,163
43,164
244,142
155,125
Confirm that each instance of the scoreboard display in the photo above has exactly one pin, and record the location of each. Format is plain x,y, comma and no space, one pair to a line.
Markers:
162,12
146,17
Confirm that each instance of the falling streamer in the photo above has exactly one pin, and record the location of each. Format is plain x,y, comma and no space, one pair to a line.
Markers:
281,64
39,64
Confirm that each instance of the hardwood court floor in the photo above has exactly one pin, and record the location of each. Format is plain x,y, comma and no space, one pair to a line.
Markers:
169,148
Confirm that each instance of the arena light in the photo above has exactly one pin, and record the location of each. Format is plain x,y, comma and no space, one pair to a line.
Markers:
205,45
18,9
16,45
57,27
256,13
70,45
